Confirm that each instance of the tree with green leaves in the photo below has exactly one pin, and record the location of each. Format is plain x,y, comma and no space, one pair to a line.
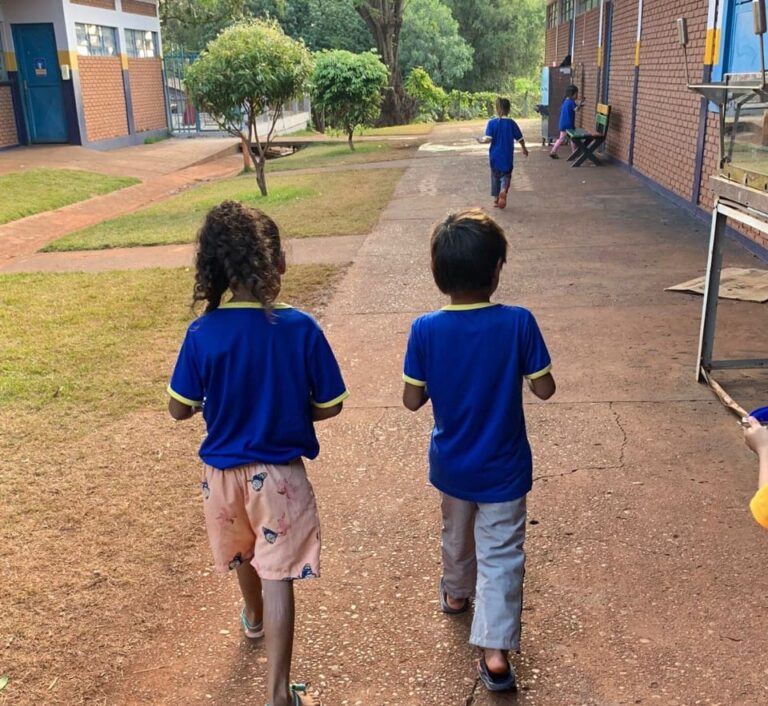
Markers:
250,69
430,39
191,24
322,24
507,37
347,89
384,19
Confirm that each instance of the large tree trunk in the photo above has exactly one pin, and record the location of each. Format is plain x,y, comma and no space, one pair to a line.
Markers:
350,134
384,19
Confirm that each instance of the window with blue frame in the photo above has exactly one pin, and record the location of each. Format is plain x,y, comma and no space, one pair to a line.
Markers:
740,47
566,10
552,16
587,5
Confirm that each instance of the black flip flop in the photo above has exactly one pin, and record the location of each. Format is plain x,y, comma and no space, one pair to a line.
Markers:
444,602
496,682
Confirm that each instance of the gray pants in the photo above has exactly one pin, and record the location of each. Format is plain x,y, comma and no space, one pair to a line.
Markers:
482,547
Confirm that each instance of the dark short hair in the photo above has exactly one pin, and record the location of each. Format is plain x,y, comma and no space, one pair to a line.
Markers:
572,91
466,249
505,105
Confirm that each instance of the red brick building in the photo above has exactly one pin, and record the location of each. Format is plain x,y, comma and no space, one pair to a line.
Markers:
625,53
86,72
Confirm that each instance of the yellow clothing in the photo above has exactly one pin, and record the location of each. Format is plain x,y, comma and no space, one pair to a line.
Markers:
759,506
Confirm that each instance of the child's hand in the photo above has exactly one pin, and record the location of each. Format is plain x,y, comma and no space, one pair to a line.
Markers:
525,152
756,436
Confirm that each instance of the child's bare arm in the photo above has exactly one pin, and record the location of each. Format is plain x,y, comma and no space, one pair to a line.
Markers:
522,144
320,414
414,396
180,411
756,437
543,387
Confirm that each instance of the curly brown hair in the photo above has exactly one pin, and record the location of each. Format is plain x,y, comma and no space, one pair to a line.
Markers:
237,246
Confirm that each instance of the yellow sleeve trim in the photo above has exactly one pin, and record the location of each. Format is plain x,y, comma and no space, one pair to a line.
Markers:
540,374
759,506
184,400
414,381
332,403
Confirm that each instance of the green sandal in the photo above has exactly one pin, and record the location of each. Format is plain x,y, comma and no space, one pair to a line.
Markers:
295,689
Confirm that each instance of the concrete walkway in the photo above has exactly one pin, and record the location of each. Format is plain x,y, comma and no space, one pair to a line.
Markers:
645,580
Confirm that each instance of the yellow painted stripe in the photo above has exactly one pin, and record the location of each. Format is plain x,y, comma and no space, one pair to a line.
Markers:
637,53
184,400
332,403
716,48
414,381
599,56
540,374
251,305
468,307
10,61
709,47
68,57
124,61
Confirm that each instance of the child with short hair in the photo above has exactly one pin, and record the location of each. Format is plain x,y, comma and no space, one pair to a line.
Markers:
261,373
470,360
502,132
756,438
567,118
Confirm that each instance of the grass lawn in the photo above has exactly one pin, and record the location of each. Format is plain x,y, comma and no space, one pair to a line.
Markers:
304,205
36,190
332,155
100,524
412,130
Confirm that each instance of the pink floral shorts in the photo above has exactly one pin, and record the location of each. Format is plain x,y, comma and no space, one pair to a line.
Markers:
265,515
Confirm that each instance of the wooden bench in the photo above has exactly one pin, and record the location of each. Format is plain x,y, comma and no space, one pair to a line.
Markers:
587,141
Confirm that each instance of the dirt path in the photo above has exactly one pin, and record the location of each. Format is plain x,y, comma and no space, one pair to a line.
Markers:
644,581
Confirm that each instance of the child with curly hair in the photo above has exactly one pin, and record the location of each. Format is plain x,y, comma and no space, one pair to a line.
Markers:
261,373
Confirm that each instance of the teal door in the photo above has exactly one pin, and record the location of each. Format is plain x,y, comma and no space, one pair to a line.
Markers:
40,79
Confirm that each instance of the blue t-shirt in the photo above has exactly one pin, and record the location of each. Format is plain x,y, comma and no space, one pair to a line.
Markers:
256,378
472,360
503,133
568,115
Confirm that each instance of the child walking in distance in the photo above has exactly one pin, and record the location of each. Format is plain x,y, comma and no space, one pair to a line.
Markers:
262,373
470,359
756,437
502,132
567,119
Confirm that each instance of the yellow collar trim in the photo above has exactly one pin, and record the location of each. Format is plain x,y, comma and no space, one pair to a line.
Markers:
251,305
468,307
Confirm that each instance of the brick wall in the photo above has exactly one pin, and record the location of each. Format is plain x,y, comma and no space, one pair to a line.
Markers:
550,47
621,77
668,113
101,83
8,134
147,94
585,65
136,7
104,4
563,42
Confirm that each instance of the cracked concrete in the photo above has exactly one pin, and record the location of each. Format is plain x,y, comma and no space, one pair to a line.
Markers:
645,572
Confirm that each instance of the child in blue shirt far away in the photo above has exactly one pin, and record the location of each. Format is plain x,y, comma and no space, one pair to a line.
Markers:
262,374
470,360
567,118
502,132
